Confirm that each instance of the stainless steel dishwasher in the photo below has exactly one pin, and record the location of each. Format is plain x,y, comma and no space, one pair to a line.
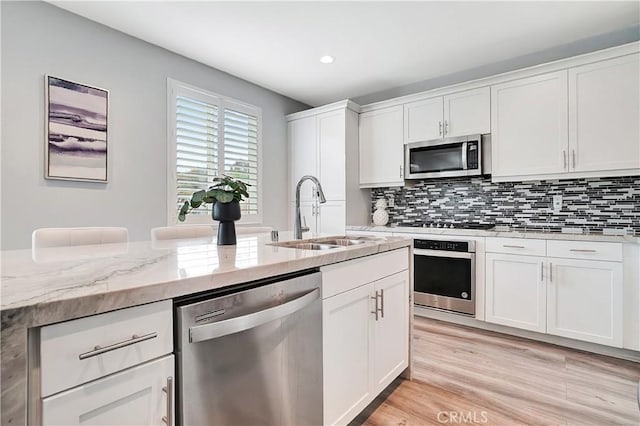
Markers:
252,356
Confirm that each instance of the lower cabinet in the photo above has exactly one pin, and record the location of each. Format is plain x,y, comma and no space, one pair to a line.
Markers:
578,296
585,301
141,395
365,344
516,291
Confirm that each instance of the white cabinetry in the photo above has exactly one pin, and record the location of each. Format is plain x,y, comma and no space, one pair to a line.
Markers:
571,289
584,300
604,115
529,126
578,122
109,369
365,331
458,114
381,148
304,154
423,120
516,291
390,330
347,349
323,142
141,395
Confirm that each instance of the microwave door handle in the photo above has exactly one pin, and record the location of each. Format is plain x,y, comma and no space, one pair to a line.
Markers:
464,156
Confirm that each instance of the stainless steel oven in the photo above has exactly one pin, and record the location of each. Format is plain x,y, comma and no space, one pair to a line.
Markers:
449,157
444,275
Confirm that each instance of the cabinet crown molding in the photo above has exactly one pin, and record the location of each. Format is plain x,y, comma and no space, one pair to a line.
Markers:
561,64
345,104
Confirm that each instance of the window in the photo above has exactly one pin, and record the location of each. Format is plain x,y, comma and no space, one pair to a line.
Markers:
210,135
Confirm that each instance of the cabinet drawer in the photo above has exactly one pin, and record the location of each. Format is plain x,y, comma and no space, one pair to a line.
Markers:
516,246
585,250
135,396
69,355
345,276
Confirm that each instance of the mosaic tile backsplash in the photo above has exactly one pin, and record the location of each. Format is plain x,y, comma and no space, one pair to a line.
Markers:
591,204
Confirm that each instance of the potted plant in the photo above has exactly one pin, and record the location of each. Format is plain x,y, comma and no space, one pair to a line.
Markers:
225,195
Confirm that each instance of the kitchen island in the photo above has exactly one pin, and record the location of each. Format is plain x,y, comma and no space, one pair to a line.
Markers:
53,285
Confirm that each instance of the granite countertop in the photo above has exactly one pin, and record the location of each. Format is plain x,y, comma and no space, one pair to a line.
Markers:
57,284
500,232
144,272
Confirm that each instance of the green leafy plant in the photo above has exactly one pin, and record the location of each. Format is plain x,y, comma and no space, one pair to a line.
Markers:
225,189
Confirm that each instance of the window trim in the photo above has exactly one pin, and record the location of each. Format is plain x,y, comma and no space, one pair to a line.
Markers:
176,87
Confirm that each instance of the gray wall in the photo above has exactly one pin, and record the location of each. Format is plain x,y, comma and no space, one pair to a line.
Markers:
39,39
602,41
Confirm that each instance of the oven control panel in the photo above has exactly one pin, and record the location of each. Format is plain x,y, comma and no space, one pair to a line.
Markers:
463,246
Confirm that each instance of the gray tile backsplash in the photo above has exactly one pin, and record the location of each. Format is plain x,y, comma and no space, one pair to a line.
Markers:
591,204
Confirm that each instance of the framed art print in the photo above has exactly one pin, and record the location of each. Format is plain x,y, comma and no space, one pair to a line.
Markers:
76,131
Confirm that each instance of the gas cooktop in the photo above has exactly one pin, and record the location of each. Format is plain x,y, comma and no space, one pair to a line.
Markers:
469,225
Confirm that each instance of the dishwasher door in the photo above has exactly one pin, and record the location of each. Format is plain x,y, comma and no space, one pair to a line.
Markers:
253,357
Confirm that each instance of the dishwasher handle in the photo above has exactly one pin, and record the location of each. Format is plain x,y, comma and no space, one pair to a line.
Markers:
205,332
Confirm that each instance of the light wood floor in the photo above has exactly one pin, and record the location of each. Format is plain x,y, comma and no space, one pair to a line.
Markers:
469,376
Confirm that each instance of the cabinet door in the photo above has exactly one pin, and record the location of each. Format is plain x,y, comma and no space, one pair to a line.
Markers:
515,291
381,148
584,300
423,120
529,126
331,140
467,113
346,335
332,218
604,115
391,330
303,150
131,397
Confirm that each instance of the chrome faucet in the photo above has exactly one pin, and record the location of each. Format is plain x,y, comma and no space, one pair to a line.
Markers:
297,232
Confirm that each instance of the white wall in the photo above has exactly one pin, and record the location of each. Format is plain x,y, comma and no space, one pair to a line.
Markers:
39,39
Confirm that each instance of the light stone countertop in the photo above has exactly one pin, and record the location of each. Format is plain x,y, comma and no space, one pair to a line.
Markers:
504,232
58,284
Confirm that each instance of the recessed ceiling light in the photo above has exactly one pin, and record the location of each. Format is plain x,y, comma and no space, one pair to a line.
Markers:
326,59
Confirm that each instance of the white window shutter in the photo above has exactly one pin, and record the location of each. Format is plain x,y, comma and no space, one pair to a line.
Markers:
241,154
196,147
212,135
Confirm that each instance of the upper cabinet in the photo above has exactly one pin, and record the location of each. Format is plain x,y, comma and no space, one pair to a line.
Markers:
604,115
467,113
423,120
574,123
381,148
529,126
458,114
323,142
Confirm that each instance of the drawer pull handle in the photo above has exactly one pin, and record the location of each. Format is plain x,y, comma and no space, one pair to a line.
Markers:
583,250
168,419
98,350
512,246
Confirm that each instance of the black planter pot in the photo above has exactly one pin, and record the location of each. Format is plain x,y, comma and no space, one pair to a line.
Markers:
226,214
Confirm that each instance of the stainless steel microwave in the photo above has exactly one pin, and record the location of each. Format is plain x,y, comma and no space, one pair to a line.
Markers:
449,157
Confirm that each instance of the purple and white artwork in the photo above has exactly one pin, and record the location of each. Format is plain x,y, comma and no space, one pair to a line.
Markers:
76,131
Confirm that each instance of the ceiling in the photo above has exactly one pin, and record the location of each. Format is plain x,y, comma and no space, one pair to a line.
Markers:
376,45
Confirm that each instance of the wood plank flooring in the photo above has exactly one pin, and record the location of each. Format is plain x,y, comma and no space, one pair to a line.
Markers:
464,375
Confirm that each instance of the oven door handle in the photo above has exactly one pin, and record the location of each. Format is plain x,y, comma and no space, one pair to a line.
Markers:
444,253
254,319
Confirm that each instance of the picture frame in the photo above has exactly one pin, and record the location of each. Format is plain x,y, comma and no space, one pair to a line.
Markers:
76,131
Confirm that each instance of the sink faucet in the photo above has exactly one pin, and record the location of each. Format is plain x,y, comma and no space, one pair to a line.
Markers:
297,232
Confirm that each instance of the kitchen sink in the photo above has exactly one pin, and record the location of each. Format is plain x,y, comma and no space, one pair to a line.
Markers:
326,243
306,245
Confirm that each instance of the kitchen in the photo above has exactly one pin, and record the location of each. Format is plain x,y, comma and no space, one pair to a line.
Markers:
509,215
